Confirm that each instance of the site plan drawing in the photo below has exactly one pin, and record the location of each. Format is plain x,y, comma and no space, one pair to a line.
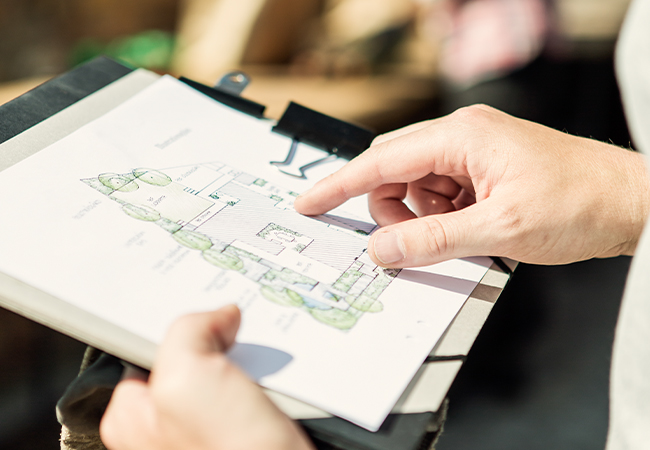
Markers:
243,223
168,204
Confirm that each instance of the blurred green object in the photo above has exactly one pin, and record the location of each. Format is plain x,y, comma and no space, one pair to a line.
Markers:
150,49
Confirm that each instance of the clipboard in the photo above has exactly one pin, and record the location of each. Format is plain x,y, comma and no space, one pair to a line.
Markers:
62,105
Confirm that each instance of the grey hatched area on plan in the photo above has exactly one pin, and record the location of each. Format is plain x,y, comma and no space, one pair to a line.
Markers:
255,212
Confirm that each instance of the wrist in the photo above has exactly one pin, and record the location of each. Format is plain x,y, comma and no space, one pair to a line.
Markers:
634,201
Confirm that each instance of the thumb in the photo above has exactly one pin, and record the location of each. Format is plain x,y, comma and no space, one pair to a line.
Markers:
435,238
200,333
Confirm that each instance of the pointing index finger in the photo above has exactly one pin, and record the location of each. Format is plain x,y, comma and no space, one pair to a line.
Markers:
399,157
350,181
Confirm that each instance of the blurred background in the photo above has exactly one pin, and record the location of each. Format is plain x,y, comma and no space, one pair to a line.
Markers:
537,376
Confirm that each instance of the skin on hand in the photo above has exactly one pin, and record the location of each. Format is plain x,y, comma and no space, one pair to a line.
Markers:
195,398
481,182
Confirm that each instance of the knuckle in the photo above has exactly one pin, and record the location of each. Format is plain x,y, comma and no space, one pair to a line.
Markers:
434,238
379,139
478,126
483,107
471,113
340,189
376,159
387,158
475,119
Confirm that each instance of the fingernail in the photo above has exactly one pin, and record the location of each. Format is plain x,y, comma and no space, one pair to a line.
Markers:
304,193
300,197
389,247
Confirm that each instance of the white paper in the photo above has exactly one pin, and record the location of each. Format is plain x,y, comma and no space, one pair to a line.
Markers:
168,205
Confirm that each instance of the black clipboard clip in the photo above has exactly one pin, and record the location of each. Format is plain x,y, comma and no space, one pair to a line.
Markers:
301,170
338,138
227,91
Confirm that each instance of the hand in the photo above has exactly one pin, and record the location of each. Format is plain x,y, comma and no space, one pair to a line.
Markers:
482,182
195,398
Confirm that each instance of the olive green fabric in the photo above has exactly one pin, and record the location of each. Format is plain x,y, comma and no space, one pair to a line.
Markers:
83,404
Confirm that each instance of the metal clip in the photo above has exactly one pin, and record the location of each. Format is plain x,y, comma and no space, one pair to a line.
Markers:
292,153
233,82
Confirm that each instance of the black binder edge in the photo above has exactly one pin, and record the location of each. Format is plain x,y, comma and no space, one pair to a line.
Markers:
53,96
399,431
